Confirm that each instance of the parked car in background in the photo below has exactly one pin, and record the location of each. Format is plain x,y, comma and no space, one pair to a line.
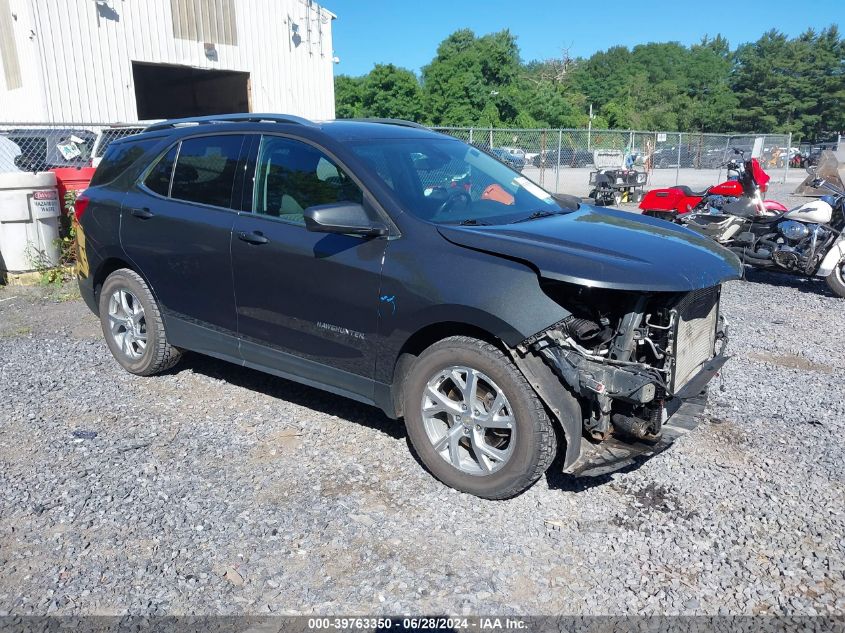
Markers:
108,135
40,149
815,153
567,157
511,160
665,157
515,151
405,269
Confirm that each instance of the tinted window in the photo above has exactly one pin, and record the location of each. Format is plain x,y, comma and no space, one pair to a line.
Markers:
110,136
118,159
158,180
205,169
292,176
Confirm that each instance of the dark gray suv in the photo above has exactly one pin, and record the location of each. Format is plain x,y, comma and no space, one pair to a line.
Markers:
405,269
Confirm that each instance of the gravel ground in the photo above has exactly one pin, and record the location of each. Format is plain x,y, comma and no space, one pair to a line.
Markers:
214,489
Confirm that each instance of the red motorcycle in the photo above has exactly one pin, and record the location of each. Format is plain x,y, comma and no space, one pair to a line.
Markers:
747,185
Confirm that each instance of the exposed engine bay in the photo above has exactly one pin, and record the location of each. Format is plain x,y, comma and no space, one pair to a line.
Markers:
627,354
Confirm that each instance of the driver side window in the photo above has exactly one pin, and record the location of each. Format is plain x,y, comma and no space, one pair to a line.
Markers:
292,176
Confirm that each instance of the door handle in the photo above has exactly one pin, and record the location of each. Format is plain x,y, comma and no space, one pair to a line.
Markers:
256,237
144,214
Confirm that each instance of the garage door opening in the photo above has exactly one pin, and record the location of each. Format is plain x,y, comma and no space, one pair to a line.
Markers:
170,92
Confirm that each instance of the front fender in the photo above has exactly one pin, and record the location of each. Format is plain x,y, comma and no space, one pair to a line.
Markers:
833,257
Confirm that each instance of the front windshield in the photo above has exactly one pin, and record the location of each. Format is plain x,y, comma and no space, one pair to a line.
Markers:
447,181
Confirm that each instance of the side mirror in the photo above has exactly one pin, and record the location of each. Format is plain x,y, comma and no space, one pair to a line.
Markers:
342,217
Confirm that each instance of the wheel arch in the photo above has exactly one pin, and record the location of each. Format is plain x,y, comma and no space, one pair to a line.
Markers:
564,408
421,340
110,265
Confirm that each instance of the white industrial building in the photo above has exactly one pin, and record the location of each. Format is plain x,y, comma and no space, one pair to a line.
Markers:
134,60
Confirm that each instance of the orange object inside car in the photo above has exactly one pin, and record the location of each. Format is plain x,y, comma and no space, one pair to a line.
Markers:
497,193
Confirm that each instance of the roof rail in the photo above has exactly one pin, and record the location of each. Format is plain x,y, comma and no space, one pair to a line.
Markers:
401,122
231,118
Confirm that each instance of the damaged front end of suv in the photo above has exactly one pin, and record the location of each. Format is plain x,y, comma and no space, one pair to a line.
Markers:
641,334
633,359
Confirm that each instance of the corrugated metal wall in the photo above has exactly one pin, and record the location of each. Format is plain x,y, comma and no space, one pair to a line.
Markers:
9,48
77,65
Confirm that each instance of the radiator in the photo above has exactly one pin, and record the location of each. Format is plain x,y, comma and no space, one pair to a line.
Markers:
695,333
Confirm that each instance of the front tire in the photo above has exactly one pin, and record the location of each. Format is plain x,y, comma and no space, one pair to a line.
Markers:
132,325
474,420
836,279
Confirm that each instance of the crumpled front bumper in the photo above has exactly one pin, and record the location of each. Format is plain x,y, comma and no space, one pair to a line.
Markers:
684,410
587,458
615,454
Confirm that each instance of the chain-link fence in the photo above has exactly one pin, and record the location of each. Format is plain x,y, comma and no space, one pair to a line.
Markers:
561,159
39,147
558,159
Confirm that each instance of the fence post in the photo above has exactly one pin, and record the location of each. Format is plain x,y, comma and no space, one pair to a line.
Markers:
490,144
678,168
788,156
470,136
557,161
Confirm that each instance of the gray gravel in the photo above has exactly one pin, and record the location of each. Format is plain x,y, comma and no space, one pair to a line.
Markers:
215,489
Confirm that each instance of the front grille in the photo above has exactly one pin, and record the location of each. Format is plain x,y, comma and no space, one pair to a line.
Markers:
695,333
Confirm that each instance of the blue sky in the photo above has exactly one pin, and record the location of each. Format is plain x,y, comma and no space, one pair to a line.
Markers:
406,33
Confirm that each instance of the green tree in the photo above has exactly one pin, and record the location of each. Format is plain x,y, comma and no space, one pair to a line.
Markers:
391,92
470,74
347,97
776,84
791,85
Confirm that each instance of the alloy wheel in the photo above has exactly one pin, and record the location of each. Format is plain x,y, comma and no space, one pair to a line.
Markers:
469,420
127,324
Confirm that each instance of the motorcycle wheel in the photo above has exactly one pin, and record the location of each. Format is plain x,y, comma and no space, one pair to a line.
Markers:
836,279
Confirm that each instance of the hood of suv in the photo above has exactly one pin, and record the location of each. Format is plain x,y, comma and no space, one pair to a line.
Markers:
606,249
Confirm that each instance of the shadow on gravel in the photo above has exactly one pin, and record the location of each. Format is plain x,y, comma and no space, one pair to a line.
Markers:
558,480
356,412
293,392
810,285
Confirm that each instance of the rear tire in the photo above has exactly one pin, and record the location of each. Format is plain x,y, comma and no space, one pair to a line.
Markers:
488,435
836,279
132,325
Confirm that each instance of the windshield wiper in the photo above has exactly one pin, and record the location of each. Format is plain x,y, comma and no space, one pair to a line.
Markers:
540,213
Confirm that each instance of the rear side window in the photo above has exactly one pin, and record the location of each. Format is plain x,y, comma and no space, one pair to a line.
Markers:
205,169
110,136
119,158
158,180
